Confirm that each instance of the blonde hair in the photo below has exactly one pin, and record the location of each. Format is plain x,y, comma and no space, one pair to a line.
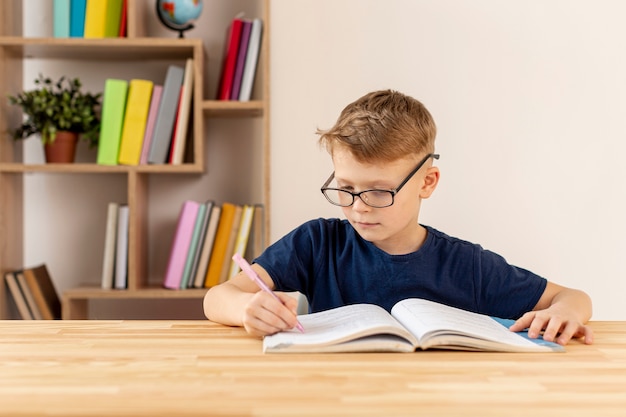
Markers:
382,126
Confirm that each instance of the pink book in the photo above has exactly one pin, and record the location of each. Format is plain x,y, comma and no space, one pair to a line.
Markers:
152,115
180,244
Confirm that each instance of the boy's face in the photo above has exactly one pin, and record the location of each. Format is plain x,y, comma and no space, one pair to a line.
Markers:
394,229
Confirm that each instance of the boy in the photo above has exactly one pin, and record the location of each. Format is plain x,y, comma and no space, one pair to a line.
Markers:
382,148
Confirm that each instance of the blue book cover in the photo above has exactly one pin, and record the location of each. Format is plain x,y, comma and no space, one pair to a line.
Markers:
77,18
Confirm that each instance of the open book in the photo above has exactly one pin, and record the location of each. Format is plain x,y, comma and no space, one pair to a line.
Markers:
413,324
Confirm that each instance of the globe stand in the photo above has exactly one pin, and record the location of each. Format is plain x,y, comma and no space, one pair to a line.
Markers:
179,28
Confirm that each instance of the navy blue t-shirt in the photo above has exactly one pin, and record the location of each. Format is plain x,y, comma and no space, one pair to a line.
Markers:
328,262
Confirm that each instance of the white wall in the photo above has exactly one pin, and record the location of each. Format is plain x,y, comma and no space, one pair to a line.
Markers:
529,98
530,101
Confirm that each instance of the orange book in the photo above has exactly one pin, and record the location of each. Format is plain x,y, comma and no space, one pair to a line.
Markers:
220,244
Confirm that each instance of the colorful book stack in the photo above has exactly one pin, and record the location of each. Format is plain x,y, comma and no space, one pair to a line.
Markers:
206,237
89,18
34,293
241,55
146,123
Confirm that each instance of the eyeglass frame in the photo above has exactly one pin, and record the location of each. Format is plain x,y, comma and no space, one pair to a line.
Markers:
393,191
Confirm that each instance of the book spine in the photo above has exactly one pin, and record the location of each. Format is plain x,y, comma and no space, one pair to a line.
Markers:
121,250
112,120
228,72
95,14
241,59
182,118
220,245
180,244
61,18
252,58
108,259
77,18
152,116
166,116
193,246
135,118
207,246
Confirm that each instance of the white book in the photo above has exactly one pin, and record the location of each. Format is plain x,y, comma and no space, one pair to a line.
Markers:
252,58
414,324
110,238
121,250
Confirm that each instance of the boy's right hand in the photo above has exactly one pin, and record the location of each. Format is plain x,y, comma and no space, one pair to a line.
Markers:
264,315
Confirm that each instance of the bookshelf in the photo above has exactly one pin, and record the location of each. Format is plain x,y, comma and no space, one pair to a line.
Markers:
144,271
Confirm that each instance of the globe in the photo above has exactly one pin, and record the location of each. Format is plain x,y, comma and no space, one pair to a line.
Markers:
179,15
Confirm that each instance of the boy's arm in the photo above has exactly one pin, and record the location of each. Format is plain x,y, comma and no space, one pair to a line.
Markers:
239,302
561,313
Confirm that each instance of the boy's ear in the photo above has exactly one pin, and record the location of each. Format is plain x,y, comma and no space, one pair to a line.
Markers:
431,179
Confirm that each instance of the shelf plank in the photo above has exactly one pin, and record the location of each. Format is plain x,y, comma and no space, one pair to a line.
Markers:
93,293
85,168
222,108
106,49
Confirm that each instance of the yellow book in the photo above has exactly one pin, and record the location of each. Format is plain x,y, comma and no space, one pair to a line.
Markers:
135,119
102,18
242,238
220,245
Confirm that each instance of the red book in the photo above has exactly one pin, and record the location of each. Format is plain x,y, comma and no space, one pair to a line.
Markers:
123,19
230,59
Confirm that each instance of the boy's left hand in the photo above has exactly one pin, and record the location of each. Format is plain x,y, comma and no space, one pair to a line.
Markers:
557,326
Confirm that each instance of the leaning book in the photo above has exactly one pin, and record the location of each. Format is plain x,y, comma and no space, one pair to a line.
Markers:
414,324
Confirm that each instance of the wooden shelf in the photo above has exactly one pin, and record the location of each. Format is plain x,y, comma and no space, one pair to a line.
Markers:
136,50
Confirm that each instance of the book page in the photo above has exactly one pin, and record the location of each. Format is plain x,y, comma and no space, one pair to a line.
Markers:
434,323
336,326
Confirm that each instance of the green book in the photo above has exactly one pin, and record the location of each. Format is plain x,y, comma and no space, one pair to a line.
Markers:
198,229
112,120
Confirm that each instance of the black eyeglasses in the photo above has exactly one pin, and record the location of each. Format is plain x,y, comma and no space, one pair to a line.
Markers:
373,198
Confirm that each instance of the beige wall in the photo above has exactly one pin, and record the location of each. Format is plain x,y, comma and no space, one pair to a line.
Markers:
529,98
530,101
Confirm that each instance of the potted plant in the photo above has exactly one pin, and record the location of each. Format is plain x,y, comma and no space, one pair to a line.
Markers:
54,108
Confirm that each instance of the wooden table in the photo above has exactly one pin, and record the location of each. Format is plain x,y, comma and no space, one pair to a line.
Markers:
178,368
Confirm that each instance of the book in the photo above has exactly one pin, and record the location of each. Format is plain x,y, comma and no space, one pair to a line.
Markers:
135,119
180,244
112,120
28,295
242,238
102,18
230,245
256,241
18,296
207,245
120,281
77,18
252,59
220,244
44,291
123,20
110,239
61,18
166,116
195,262
182,116
198,229
150,122
230,58
413,324
241,58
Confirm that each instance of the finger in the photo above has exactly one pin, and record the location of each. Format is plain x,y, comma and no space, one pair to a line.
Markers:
536,326
523,322
569,331
554,327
